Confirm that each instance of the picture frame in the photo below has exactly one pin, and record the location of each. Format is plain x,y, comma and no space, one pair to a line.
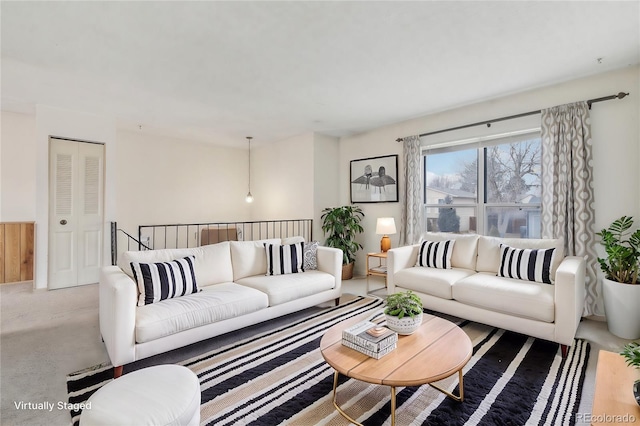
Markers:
374,179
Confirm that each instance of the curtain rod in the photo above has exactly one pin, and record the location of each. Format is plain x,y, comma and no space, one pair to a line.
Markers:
510,117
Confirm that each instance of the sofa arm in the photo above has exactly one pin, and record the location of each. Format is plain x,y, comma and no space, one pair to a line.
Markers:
330,261
397,259
118,297
569,298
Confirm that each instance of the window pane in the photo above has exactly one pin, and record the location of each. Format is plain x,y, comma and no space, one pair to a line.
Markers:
513,172
452,174
451,219
513,222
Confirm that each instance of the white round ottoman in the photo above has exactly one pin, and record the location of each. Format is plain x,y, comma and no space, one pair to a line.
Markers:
154,396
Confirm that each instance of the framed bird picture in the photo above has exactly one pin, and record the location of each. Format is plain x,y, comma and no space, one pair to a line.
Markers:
374,180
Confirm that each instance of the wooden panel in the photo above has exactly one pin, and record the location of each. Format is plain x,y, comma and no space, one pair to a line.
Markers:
26,251
16,252
11,252
2,253
218,235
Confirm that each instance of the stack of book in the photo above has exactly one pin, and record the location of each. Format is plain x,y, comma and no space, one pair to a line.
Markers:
370,339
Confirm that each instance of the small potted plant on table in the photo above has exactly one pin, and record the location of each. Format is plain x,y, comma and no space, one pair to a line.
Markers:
631,353
403,312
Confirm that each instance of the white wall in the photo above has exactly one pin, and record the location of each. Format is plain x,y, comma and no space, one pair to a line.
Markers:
282,179
326,178
164,180
616,140
18,168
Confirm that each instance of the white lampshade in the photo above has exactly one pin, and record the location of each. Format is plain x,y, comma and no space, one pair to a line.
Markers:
385,226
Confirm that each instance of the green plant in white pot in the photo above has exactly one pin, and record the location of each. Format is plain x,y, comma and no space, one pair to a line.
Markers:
341,225
620,286
403,312
631,353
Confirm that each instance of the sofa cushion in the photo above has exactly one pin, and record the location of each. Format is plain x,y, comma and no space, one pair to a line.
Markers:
292,240
164,280
514,297
434,254
249,258
284,259
435,282
284,288
526,264
465,251
212,263
214,303
489,251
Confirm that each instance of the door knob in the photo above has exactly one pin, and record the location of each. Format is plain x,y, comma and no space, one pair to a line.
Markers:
63,222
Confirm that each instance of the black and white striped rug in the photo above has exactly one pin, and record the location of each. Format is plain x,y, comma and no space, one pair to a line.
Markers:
280,377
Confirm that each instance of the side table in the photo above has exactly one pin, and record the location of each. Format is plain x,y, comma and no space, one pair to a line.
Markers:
379,270
613,400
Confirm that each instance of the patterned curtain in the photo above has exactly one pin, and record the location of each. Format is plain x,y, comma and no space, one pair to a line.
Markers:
411,196
567,189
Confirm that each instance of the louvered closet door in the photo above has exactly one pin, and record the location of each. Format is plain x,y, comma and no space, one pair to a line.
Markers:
76,218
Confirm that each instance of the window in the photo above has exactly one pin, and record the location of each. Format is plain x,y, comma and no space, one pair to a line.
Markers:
489,187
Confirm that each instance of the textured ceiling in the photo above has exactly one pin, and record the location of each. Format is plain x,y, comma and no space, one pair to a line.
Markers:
219,71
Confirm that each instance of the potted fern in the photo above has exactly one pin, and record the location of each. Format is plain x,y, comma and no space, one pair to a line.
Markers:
342,224
631,353
403,312
621,290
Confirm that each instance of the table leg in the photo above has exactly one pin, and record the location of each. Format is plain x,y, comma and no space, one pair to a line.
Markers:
393,406
335,404
367,275
451,395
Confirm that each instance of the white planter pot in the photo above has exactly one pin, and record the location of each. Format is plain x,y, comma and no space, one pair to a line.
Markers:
404,326
621,306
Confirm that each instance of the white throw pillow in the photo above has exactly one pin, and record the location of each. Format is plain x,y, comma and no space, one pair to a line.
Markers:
249,258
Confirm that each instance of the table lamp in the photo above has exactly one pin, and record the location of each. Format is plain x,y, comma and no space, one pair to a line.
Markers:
384,227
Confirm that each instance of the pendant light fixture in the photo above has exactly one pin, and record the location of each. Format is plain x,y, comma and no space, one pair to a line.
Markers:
249,197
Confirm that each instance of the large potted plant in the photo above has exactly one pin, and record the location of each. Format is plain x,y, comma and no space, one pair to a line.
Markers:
403,312
342,224
631,353
620,286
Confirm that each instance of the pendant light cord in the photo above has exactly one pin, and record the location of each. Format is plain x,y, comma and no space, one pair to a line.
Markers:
249,139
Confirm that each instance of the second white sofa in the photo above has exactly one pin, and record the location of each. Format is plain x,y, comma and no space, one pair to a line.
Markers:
472,289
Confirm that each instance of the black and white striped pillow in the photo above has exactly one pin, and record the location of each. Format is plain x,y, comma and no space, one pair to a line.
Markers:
435,254
284,259
526,264
164,280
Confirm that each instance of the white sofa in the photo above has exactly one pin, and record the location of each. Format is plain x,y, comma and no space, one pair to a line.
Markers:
472,290
235,293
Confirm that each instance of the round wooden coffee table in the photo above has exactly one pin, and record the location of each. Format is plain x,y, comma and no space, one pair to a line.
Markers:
437,350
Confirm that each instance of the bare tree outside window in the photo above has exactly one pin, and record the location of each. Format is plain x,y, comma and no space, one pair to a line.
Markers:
510,174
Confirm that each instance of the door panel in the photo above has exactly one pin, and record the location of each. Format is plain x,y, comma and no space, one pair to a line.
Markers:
90,220
62,219
76,218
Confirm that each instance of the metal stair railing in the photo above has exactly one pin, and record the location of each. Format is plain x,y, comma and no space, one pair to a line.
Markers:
130,240
154,237
198,234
